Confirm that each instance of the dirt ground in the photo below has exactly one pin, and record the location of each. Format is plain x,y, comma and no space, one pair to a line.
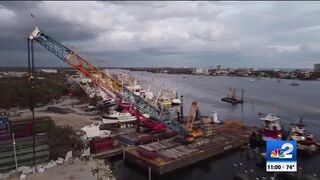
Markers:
76,119
68,171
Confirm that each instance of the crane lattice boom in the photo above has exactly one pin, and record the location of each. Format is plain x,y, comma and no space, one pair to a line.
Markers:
100,78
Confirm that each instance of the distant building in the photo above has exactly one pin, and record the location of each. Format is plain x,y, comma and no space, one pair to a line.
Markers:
49,70
283,75
200,71
316,68
14,74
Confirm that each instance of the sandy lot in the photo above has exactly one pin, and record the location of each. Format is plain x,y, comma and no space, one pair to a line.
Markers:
69,171
76,119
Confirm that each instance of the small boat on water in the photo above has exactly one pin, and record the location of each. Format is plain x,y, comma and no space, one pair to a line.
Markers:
294,83
252,80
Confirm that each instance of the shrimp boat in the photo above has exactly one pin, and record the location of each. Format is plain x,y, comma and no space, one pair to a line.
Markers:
137,88
167,97
306,141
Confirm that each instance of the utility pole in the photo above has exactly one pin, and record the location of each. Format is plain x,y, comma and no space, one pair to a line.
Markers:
181,110
32,86
14,151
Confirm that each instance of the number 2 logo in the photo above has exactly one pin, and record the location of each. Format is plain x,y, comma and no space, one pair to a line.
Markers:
288,148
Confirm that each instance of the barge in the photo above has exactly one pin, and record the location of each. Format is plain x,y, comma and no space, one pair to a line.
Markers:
232,98
169,155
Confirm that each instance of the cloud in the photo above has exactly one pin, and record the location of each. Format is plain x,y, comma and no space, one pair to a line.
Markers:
284,48
260,34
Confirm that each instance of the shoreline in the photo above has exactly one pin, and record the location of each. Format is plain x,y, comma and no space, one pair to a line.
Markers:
203,75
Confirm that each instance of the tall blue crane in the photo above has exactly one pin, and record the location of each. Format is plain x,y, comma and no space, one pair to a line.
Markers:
100,78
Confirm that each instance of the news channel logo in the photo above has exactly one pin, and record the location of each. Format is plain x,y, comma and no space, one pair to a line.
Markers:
281,156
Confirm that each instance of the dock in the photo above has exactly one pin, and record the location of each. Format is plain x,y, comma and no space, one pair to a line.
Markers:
114,151
169,155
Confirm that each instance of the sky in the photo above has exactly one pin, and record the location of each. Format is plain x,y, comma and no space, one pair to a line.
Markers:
170,34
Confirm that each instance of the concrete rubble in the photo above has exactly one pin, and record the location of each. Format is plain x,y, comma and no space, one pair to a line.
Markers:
59,160
23,176
40,168
68,156
86,153
25,170
50,164
4,175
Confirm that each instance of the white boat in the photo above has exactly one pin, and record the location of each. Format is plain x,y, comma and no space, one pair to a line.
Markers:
93,130
176,101
116,117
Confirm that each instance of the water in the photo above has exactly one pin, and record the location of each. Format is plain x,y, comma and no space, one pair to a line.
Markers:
265,95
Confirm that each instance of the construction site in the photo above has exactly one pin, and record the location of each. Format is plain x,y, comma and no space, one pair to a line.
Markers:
149,130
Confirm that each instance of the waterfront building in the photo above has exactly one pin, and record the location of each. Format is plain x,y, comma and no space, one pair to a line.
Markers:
204,71
49,70
316,68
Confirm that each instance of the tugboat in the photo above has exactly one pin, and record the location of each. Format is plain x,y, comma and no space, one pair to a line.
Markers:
271,128
306,141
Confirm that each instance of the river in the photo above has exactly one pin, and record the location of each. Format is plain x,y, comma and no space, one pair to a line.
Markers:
265,95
